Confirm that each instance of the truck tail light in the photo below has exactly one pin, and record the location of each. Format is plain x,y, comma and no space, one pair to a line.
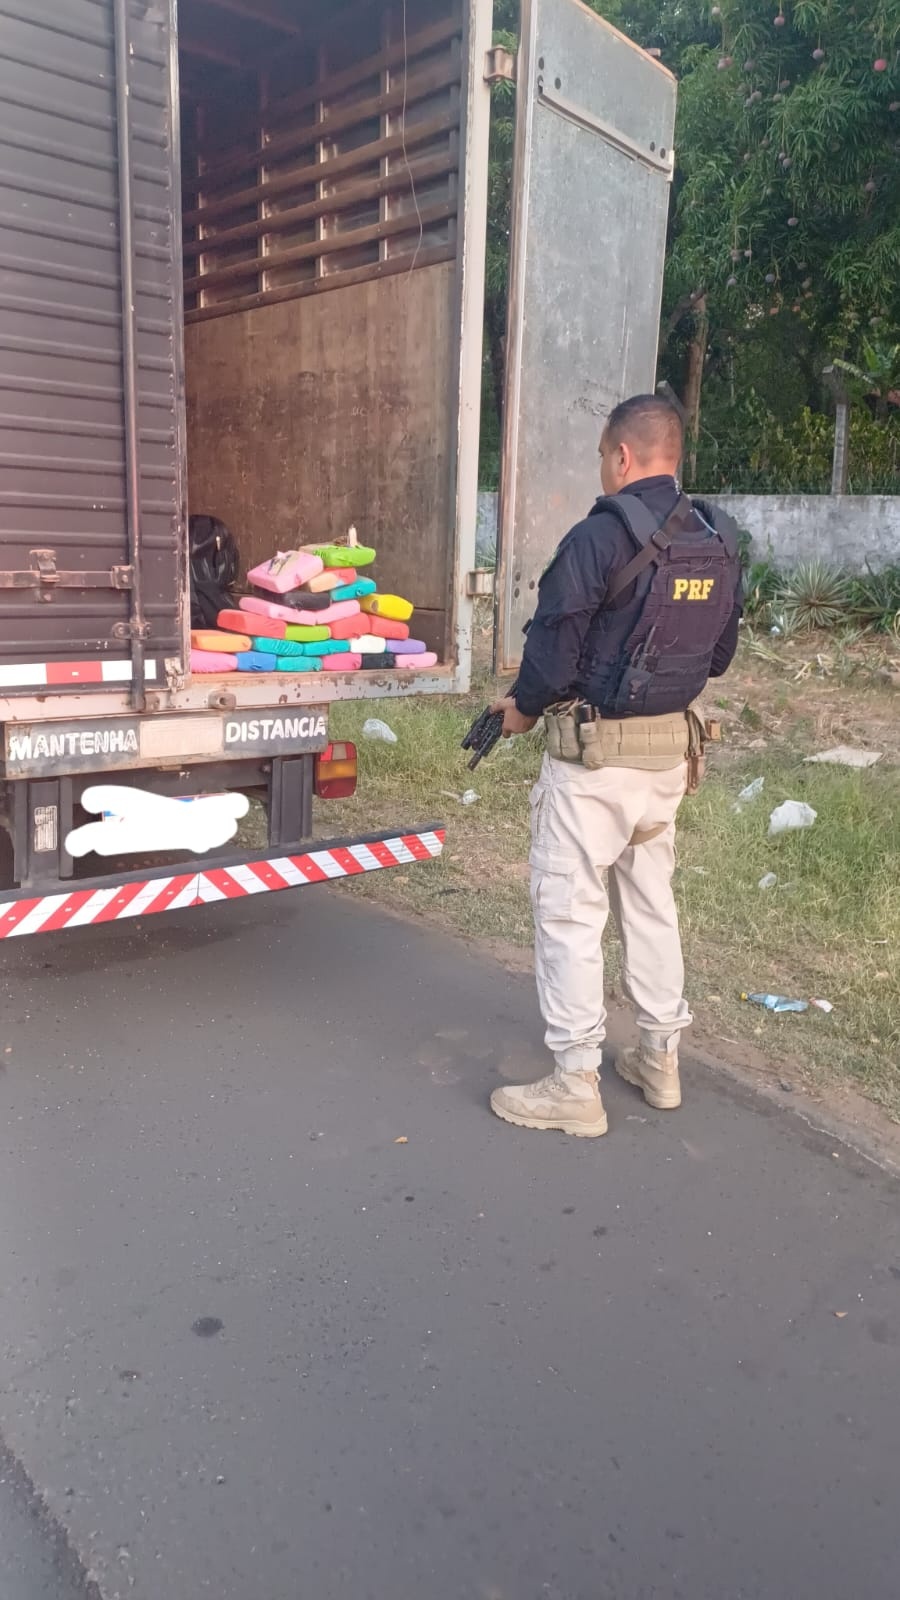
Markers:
336,771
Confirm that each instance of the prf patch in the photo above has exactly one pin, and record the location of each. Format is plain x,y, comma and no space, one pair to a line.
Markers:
692,588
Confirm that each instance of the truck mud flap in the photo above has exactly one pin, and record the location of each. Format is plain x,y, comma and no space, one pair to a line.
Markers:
140,894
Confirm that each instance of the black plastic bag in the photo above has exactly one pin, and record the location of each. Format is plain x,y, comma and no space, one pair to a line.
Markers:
214,570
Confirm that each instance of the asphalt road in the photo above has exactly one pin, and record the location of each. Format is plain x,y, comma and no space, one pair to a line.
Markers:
36,1561
253,1347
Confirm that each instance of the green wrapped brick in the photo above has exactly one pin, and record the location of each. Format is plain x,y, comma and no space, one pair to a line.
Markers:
306,633
343,555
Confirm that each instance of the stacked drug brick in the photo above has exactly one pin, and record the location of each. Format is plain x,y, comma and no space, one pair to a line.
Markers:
313,610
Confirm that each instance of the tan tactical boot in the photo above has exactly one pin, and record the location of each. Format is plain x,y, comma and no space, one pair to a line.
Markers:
568,1101
655,1072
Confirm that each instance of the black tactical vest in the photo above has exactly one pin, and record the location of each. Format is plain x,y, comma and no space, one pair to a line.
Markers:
664,662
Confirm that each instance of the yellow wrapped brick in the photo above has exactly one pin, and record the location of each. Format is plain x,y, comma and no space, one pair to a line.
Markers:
387,605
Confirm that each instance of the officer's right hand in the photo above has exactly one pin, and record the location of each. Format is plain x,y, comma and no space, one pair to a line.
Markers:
513,720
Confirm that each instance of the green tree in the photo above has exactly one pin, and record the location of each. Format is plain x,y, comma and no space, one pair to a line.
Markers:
784,240
877,375
789,132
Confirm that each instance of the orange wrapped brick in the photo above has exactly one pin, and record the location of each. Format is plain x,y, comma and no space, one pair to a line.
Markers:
212,639
387,627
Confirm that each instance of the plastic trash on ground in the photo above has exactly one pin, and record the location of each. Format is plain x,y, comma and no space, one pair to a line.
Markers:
789,815
751,792
844,755
776,1002
374,728
768,880
780,1002
467,799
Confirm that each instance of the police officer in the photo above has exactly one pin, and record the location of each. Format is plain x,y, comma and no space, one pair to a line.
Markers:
638,608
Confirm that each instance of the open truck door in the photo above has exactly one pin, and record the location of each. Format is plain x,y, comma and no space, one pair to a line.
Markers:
592,172
91,476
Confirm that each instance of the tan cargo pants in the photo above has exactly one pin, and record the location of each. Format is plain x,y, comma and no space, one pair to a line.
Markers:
581,824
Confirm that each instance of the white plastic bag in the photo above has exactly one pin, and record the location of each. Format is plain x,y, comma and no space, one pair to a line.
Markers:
789,815
374,728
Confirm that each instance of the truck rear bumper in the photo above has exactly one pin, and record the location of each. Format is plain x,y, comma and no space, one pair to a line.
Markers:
143,893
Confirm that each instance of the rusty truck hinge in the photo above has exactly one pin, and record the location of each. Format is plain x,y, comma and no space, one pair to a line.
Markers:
131,630
499,65
45,577
480,582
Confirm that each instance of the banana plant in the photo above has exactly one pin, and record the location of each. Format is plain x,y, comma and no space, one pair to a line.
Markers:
876,375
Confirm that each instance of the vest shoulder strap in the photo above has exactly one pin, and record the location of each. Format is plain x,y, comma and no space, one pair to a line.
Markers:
652,538
640,522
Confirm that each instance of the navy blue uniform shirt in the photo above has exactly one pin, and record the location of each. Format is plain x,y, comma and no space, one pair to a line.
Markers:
573,648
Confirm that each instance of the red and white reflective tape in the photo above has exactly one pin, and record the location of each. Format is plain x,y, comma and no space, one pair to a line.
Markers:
59,674
51,912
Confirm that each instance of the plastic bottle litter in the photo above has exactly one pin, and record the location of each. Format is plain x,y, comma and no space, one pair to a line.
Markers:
768,880
751,792
374,728
776,1002
789,815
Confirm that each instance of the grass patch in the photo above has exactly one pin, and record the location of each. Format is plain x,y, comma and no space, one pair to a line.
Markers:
829,928
480,885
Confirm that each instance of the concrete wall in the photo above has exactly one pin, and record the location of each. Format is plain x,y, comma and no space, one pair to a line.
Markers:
847,530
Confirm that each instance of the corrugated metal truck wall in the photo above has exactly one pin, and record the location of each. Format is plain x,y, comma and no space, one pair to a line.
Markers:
91,484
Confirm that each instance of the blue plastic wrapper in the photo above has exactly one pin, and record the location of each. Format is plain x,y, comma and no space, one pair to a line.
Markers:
776,1002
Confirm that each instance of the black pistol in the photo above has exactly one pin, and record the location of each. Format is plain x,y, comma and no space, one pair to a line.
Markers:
484,733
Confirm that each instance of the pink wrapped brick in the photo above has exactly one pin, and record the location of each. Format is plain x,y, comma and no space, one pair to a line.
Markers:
212,661
428,658
348,662
311,619
288,570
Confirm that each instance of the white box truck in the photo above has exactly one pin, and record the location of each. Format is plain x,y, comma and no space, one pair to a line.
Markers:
242,273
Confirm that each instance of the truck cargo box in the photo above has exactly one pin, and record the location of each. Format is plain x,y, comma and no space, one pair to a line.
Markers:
241,270
242,258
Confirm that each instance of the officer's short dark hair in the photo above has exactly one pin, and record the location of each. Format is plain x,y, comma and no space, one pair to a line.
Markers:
649,424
